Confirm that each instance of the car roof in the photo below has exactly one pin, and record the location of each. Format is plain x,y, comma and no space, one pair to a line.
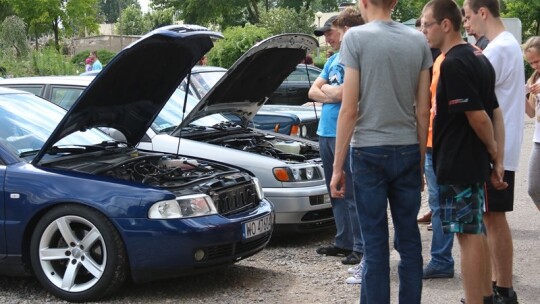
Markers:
57,80
5,91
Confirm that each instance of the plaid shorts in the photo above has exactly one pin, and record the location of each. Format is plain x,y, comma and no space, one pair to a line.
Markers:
462,207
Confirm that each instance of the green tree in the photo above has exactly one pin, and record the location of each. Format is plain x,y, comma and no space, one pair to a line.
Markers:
81,17
529,14
6,9
13,36
287,20
133,22
222,13
236,42
110,9
159,18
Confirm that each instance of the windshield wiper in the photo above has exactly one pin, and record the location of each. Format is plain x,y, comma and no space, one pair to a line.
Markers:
28,153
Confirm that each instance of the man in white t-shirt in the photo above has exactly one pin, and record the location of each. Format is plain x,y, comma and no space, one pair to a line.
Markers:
504,53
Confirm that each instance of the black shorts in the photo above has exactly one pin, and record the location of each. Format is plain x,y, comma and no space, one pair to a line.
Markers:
501,200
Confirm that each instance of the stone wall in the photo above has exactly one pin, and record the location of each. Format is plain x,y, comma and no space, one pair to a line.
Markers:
113,43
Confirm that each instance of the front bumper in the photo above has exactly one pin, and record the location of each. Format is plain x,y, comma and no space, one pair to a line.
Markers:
301,209
159,249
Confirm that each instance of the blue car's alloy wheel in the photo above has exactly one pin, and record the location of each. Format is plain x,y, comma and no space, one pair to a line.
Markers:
77,254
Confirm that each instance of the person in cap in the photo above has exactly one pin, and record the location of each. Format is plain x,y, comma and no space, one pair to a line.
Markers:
327,90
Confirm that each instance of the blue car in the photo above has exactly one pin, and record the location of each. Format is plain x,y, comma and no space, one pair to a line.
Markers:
83,212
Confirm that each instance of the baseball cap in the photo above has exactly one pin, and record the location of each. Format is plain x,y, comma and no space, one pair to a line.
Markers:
327,25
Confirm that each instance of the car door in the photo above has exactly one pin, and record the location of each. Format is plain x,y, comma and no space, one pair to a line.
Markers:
2,211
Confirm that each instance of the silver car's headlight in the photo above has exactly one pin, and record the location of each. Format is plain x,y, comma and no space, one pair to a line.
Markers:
297,174
258,187
183,207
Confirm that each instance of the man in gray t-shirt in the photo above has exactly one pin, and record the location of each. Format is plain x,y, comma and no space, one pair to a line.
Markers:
385,117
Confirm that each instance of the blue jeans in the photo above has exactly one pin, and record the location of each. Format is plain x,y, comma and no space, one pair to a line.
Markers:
441,243
348,234
389,175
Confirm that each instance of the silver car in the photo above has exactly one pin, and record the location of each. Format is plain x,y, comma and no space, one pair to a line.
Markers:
289,168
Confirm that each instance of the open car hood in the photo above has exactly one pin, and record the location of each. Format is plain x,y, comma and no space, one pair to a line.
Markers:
134,86
251,80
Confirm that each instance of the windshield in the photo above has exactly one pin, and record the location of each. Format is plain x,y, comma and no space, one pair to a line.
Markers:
202,82
27,122
171,115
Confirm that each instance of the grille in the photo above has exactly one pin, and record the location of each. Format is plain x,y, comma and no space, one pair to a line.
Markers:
236,199
237,249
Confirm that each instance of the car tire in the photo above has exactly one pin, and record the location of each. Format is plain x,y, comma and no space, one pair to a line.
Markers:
77,254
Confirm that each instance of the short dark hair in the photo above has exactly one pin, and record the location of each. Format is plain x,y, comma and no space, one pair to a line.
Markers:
492,6
383,3
446,9
349,17
418,22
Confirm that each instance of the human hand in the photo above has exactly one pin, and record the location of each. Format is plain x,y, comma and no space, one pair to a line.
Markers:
534,88
497,175
337,184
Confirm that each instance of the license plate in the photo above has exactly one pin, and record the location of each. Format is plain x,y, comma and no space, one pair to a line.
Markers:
257,227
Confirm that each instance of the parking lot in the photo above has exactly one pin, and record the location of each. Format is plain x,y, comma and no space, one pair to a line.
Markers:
289,270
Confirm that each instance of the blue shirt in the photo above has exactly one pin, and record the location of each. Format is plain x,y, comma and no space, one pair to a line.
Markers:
333,72
97,65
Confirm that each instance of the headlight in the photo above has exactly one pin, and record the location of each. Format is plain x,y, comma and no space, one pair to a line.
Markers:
295,130
183,207
297,174
258,187
303,131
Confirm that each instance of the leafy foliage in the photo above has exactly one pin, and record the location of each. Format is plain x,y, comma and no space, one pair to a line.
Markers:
110,9
236,42
13,37
133,22
529,14
81,16
287,20
159,18
50,62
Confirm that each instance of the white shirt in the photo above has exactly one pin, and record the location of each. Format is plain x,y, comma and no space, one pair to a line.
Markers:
504,53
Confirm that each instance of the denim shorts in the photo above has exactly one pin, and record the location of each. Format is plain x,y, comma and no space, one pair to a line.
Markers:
462,207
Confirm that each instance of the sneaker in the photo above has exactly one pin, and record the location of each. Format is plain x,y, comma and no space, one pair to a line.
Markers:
354,269
357,275
333,251
500,299
431,272
353,258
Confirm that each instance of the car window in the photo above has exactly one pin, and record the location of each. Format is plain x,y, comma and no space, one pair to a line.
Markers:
171,115
28,121
34,89
300,74
65,96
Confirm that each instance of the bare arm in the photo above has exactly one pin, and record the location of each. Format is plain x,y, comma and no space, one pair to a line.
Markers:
497,173
315,92
335,93
423,107
345,126
530,107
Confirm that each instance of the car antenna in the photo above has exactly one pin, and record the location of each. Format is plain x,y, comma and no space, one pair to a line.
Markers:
309,83
183,113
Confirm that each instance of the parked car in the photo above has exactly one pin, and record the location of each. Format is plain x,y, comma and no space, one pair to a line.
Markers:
294,89
83,212
289,168
294,120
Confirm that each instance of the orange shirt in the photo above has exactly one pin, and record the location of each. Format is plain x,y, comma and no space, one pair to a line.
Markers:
433,90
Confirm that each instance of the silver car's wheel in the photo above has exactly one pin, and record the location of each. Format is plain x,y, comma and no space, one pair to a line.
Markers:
77,254
72,253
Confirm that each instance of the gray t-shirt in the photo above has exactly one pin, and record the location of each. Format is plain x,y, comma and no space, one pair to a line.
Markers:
389,56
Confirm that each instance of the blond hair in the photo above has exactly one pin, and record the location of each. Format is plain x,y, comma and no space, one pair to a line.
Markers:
532,45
